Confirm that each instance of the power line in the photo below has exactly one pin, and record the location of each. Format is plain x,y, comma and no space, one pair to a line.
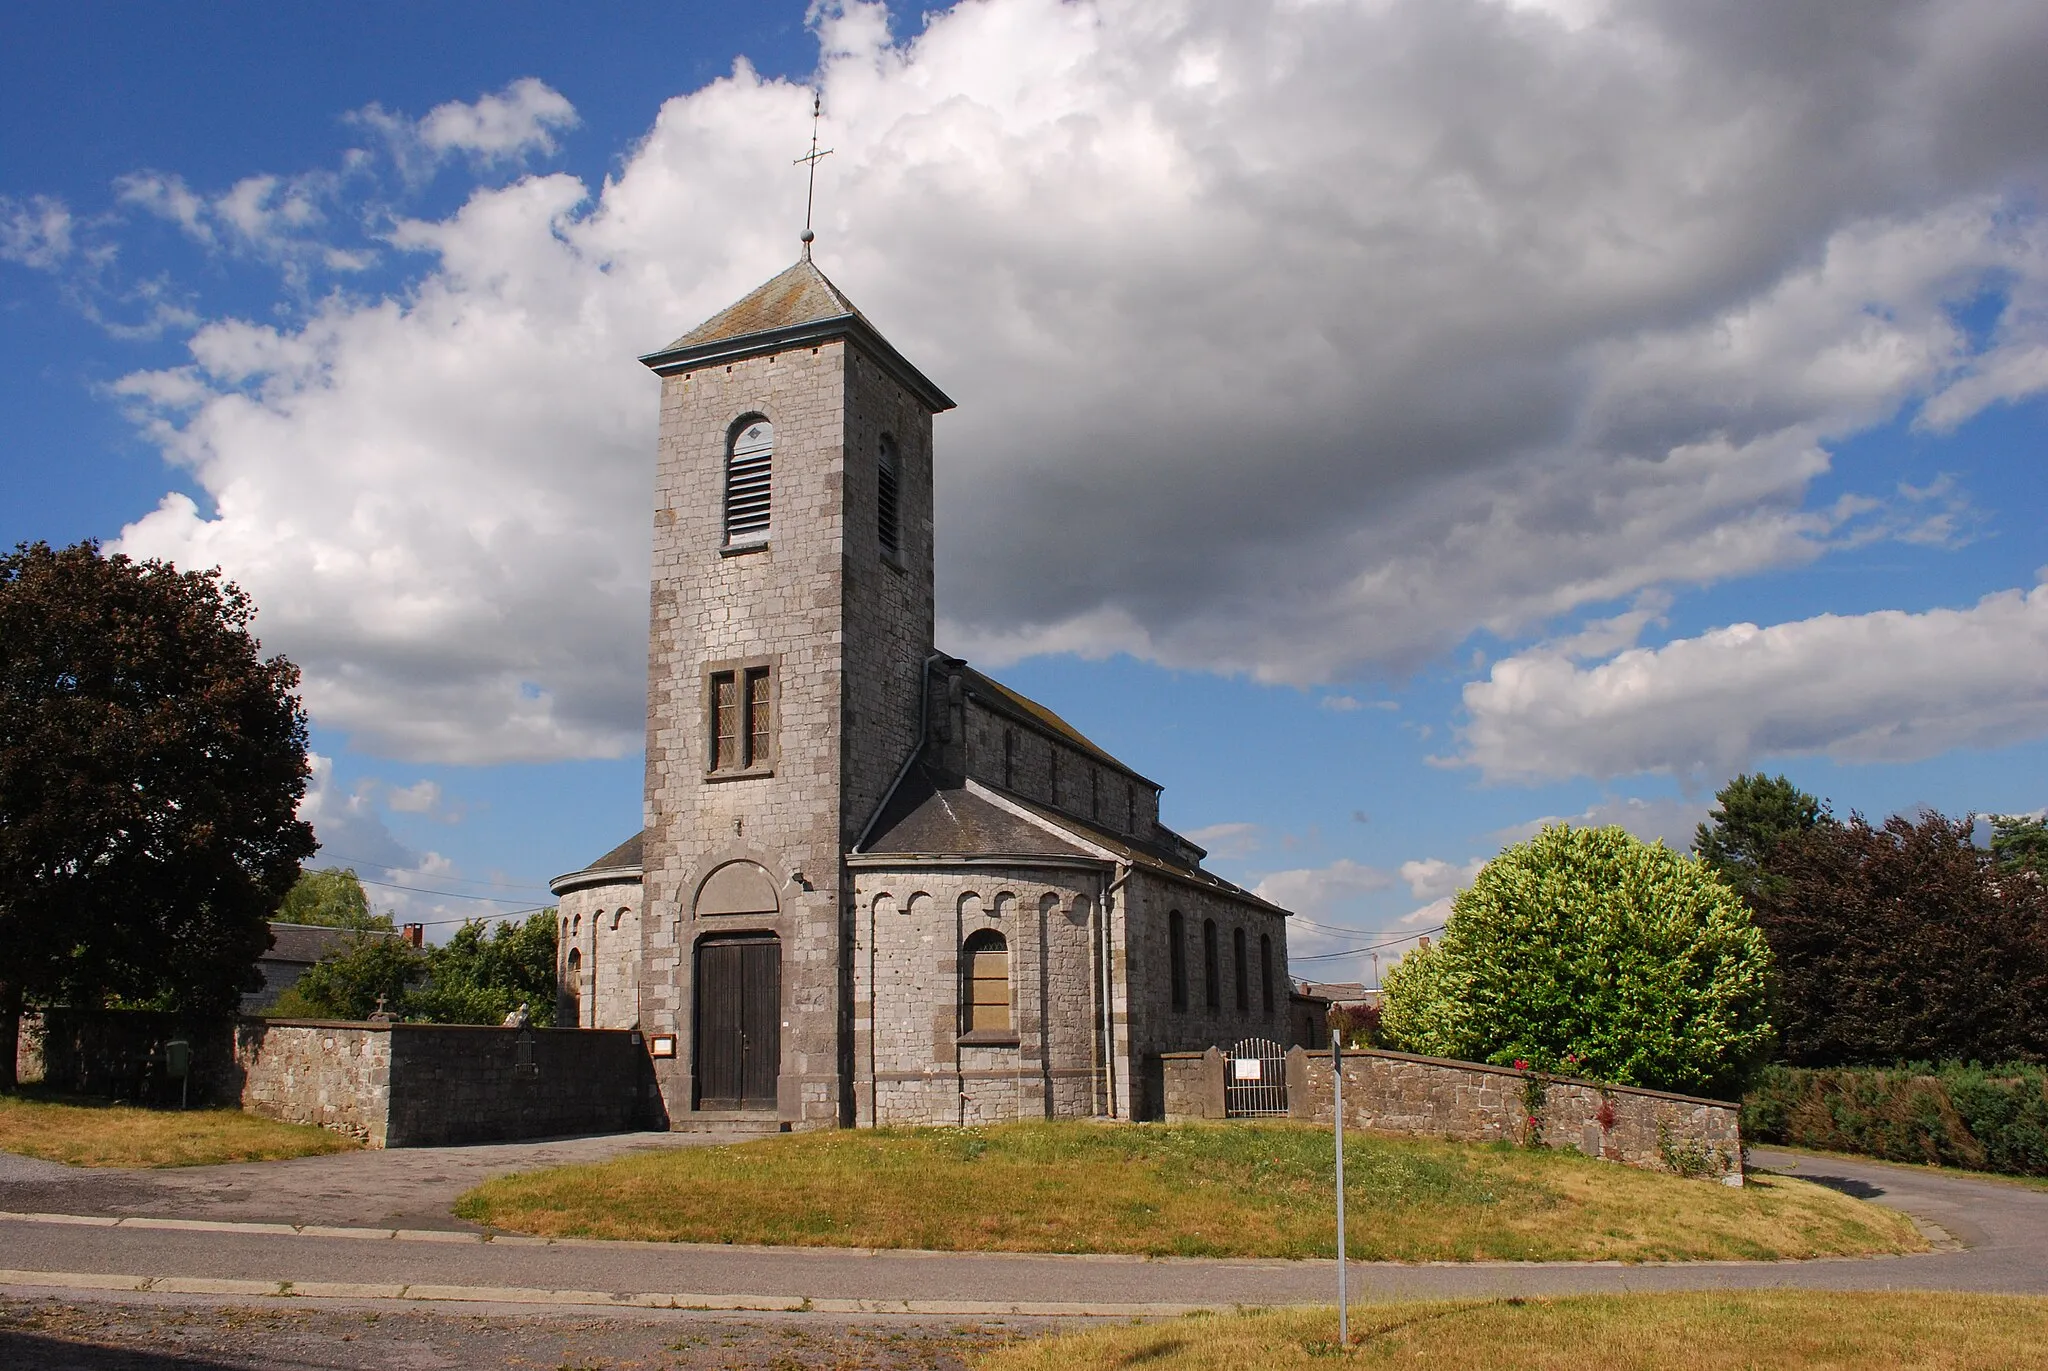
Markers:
446,894
457,880
1359,951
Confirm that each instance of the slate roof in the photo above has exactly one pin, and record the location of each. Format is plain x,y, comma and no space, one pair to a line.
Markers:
927,816
308,943
624,857
796,297
796,307
924,818
1163,858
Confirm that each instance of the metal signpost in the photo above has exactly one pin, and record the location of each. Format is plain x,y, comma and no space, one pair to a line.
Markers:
1337,1086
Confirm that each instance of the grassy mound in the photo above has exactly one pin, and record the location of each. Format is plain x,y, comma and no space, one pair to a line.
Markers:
1760,1331
1238,1190
99,1133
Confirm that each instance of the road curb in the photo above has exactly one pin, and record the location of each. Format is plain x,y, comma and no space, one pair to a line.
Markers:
584,1299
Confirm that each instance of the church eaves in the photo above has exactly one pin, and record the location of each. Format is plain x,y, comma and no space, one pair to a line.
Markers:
799,307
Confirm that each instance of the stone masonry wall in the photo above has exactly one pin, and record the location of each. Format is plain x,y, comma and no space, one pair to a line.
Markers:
601,923
436,1085
845,631
333,1075
1394,1092
1019,757
914,1061
458,1084
120,1054
1154,1026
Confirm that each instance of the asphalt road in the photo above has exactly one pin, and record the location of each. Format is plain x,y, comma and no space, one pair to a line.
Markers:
2002,1229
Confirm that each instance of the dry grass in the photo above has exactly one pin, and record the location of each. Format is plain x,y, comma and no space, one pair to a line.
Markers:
1761,1331
1236,1190
98,1133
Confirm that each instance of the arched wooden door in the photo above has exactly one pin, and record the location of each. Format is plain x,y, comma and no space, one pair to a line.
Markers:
739,1021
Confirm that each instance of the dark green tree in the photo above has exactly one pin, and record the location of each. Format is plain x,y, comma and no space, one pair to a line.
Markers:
1589,951
2019,842
331,897
1752,815
151,766
1904,944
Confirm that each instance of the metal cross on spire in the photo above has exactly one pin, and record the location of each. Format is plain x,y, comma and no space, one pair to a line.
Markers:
811,191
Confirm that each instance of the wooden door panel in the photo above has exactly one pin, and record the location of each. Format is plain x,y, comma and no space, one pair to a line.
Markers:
761,1023
739,1023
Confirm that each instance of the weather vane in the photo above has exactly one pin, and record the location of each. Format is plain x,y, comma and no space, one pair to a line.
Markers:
811,191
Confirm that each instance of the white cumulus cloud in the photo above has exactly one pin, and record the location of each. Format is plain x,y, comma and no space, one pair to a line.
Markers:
1887,686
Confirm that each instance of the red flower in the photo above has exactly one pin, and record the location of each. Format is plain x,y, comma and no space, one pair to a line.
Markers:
1521,1064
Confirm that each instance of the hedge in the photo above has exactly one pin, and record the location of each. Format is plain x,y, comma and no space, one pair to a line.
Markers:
1981,1118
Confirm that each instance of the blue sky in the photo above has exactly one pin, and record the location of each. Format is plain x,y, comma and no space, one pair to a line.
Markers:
1377,423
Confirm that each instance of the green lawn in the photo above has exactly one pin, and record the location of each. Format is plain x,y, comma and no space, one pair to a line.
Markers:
100,1133
1752,1331
1237,1190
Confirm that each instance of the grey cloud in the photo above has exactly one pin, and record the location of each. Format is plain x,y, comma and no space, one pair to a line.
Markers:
1300,341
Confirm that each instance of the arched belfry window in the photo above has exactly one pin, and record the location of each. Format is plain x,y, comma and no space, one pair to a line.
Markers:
748,472
987,963
888,502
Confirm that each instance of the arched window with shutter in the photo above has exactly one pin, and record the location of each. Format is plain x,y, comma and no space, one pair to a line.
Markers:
749,463
986,959
888,499
1266,971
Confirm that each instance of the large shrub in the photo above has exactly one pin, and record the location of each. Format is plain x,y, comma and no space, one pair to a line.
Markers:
1905,943
1591,951
1987,1119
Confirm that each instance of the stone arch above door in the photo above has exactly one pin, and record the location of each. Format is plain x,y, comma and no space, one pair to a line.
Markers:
738,887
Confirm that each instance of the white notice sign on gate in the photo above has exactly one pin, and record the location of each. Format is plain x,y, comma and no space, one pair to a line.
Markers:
1245,1069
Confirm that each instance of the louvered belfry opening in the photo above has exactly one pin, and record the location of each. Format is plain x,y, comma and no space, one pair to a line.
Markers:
748,472
887,516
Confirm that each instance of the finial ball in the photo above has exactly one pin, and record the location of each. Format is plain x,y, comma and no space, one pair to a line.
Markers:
809,237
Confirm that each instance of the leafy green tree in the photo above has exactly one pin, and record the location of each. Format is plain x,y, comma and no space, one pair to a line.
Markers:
1753,814
331,897
151,767
368,973
2019,842
1905,943
1588,950
480,975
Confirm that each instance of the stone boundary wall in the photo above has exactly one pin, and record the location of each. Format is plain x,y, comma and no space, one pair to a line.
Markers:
386,1084
120,1055
1394,1092
335,1075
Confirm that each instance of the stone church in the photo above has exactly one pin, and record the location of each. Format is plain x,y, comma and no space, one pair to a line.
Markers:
875,886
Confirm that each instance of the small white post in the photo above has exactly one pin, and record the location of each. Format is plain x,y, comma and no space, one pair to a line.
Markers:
1337,1086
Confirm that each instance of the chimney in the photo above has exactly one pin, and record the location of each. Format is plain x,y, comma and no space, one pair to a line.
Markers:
415,935
1423,942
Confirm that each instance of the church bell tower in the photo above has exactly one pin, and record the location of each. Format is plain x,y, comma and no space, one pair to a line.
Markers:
791,620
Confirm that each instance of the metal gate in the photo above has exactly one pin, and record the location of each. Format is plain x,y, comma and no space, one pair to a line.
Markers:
1255,1080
